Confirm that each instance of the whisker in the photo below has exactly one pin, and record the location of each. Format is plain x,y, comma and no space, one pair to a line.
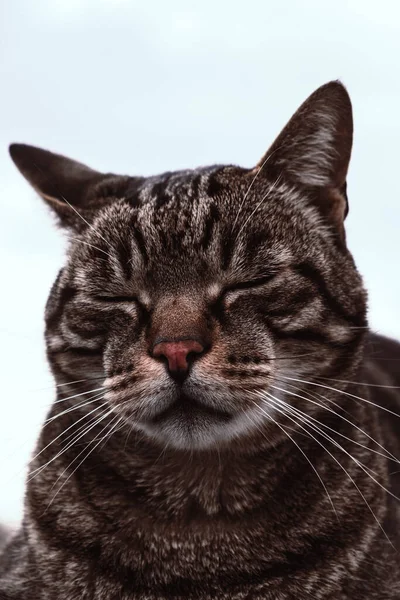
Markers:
296,411
288,357
103,407
91,245
270,190
281,427
38,470
82,451
102,377
78,395
251,185
389,455
46,423
248,192
378,385
329,438
84,458
336,460
65,431
74,407
327,387
122,424
78,381
317,396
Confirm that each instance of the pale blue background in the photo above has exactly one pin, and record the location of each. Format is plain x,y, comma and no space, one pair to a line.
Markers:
141,87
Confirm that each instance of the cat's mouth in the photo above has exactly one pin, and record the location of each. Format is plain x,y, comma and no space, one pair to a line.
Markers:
189,422
187,410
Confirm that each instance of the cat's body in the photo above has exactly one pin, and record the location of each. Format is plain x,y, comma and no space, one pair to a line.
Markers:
245,445
214,527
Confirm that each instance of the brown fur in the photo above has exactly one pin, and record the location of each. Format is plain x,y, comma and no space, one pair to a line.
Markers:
265,472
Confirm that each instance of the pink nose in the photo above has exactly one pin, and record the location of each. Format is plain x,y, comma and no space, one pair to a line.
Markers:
177,353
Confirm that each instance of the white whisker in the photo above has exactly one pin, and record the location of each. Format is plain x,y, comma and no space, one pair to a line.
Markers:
251,185
270,190
327,387
303,453
35,472
108,435
74,407
378,385
91,245
388,454
77,395
276,401
65,431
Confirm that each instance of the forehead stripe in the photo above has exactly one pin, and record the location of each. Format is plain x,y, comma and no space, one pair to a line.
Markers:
212,219
140,242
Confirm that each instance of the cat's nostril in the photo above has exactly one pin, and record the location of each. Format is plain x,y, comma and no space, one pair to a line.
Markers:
179,354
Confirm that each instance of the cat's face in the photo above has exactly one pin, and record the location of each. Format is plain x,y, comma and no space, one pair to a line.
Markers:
200,296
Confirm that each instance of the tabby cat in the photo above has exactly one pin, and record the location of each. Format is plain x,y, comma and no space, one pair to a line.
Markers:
225,425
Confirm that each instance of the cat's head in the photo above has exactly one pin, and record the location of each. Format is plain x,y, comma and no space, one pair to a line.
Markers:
204,298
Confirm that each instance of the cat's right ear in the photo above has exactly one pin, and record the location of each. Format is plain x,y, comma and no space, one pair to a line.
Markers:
313,151
67,186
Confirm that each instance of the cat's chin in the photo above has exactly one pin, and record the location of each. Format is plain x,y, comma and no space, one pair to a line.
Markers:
191,425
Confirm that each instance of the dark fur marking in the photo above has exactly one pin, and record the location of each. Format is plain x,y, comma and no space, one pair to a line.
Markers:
140,242
254,241
124,384
214,187
82,351
227,250
311,273
212,219
125,258
55,311
120,370
159,192
238,372
132,196
195,187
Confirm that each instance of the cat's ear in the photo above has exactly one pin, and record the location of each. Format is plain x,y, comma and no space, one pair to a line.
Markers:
314,149
68,187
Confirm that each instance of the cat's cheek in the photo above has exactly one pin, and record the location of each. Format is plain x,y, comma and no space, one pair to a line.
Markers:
75,365
245,342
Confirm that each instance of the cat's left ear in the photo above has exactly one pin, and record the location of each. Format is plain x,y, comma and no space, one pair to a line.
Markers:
314,150
73,191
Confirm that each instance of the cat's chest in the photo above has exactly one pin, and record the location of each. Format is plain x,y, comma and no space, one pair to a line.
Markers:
94,584
210,563
203,564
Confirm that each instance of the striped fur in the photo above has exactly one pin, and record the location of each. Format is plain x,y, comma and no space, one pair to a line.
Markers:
194,488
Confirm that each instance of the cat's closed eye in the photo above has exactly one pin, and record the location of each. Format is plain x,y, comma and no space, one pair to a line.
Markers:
236,287
110,298
250,284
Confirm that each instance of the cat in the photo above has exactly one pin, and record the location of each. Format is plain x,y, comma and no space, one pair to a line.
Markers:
226,426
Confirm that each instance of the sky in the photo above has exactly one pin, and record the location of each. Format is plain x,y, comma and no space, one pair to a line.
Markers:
143,87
